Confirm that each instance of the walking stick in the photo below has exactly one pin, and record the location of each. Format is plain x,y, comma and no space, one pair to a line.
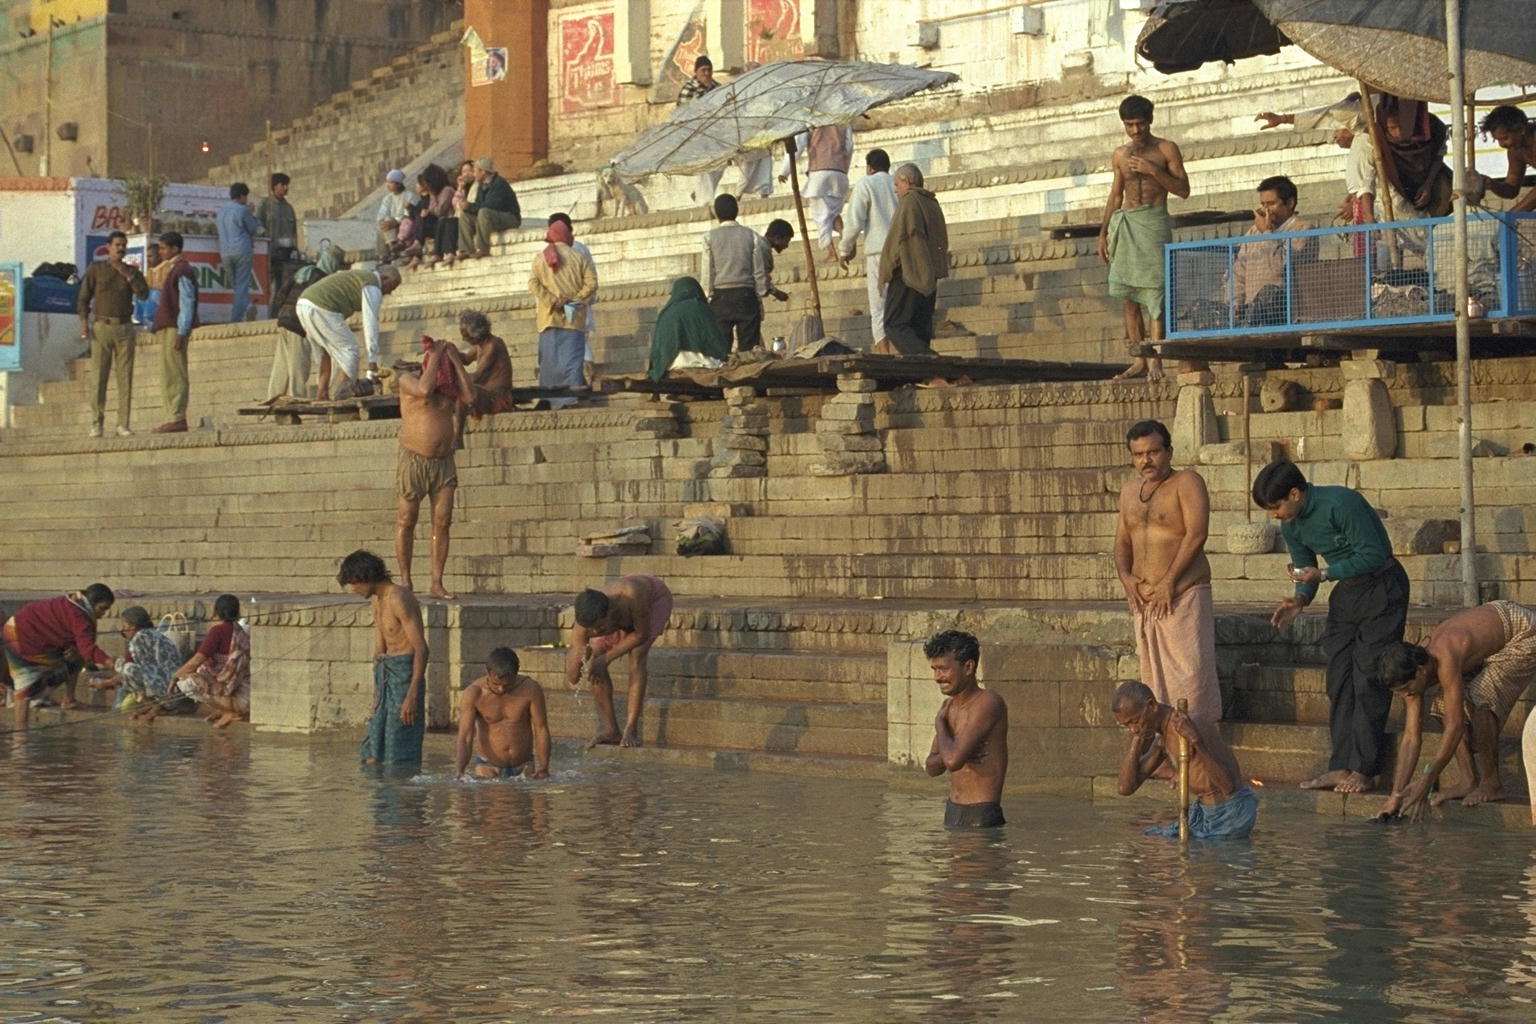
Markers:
1183,779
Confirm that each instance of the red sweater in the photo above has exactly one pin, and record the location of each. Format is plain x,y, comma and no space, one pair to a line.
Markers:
51,626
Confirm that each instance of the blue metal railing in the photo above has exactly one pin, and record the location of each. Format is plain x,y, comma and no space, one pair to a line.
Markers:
1341,278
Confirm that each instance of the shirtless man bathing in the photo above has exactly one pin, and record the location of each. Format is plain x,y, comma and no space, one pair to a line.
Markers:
625,617
1221,806
1482,660
397,720
970,734
1136,227
425,469
1165,516
502,722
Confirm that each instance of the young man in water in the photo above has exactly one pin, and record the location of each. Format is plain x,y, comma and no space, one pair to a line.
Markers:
970,734
1221,806
1482,660
623,618
397,722
503,722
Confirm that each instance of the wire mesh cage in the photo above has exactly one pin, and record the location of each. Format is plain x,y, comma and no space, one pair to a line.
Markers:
1402,272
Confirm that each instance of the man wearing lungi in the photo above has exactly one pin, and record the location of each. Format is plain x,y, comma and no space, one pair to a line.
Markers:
1165,515
624,617
397,721
1221,806
48,642
1482,660
1136,227
1366,611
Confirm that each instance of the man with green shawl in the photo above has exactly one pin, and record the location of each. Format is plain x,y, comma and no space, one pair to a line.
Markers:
291,358
686,324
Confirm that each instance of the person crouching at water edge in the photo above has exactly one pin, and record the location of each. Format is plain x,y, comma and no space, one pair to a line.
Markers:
1221,808
970,734
397,722
624,617
503,723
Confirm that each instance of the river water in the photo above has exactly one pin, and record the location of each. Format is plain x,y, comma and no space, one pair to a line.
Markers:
175,875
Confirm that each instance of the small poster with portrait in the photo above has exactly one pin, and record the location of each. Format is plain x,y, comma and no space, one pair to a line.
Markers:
10,316
492,67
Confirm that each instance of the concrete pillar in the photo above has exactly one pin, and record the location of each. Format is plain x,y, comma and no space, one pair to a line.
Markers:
509,120
1369,429
1194,416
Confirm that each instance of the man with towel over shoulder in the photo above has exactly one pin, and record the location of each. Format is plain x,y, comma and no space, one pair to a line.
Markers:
1136,227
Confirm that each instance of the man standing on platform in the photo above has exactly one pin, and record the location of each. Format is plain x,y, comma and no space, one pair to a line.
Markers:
111,285
323,310
1136,227
734,276
429,401
913,260
237,226
175,317
970,734
562,282
281,226
397,721
828,155
1366,611
1165,517
871,205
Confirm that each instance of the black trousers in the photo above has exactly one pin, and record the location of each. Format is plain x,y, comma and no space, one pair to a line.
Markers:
908,318
1365,616
741,309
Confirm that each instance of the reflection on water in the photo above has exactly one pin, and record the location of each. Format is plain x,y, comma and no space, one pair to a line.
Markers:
227,877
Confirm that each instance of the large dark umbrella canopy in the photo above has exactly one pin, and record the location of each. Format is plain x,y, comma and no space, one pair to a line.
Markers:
1399,46
1181,35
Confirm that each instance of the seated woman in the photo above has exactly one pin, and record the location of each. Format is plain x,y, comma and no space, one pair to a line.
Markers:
219,674
435,202
686,331
143,675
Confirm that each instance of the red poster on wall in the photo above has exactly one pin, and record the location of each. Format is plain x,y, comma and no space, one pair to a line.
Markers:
773,31
586,62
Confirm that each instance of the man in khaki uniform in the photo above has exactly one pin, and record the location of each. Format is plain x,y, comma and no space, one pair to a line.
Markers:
110,287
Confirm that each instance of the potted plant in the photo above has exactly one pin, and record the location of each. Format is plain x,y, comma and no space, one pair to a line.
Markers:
142,195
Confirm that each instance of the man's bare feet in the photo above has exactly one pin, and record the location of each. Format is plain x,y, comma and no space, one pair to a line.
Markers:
226,719
1354,782
883,348
603,739
1484,794
210,719
440,592
1327,780
631,739
1141,366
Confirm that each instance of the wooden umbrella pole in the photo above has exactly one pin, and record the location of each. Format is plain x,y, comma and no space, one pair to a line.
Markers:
810,257
1183,779
1383,183
1248,439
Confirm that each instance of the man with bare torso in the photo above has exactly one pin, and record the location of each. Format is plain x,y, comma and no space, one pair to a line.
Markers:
1483,660
1165,515
491,383
1511,129
625,617
1136,227
502,721
970,734
428,409
1221,806
397,721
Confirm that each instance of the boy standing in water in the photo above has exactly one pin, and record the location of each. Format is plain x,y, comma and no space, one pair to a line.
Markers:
502,720
970,734
397,722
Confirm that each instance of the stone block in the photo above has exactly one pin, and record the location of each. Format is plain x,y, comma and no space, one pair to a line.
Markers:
1422,536
1223,453
1194,419
848,463
863,413
849,427
745,442
1255,538
1367,369
1369,428
1279,395
856,383
835,442
739,396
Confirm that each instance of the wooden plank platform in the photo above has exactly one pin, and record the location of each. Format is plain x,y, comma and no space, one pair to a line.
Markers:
820,373
1505,336
290,411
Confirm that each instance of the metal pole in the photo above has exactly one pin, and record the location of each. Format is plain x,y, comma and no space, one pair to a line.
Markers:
269,150
1183,779
47,102
810,257
1458,99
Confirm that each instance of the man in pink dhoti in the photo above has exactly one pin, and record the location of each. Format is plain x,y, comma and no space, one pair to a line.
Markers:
1165,515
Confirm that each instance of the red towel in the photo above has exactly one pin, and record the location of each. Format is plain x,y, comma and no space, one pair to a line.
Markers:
447,380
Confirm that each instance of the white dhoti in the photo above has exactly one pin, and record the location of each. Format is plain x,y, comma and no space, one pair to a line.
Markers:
876,297
826,191
1178,653
1528,743
330,331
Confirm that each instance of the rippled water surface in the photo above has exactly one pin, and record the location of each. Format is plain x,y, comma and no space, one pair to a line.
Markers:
176,876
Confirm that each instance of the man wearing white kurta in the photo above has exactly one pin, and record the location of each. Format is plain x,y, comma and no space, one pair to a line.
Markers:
871,205
828,153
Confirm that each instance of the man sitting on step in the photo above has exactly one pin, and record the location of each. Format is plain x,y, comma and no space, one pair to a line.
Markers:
1482,660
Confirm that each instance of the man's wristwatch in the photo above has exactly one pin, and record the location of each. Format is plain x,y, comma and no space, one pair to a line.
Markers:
1322,576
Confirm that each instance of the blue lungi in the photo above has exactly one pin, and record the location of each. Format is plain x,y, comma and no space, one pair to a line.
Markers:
388,740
